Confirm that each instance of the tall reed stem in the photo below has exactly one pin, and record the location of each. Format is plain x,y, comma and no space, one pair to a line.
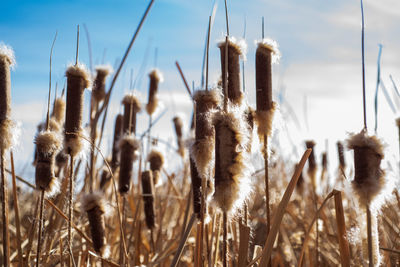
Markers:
71,208
225,240
4,204
369,232
39,244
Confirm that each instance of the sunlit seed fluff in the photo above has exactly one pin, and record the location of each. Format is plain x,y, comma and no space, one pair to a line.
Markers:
155,78
232,169
312,164
235,50
148,198
131,107
48,144
368,176
202,149
340,149
156,160
77,81
7,60
59,110
94,205
118,131
99,83
129,152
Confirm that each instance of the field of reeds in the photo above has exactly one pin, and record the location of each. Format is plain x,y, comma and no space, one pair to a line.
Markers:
229,197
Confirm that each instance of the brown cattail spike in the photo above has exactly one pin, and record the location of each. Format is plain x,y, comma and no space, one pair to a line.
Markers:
178,125
95,207
231,159
47,146
59,110
202,150
99,84
129,148
6,62
118,131
342,161
77,81
131,107
196,188
312,164
265,56
148,198
235,49
368,176
155,78
156,160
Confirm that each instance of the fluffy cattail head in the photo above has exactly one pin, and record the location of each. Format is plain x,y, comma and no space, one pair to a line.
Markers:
155,78
342,161
148,198
61,159
95,207
77,81
131,107
368,176
231,160
156,160
235,49
196,188
202,150
48,144
6,62
129,150
59,110
118,131
99,84
178,125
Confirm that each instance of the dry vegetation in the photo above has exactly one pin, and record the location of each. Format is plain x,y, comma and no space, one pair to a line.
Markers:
215,210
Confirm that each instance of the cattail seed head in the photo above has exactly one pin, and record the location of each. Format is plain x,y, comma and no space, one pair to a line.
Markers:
131,107
202,150
118,131
156,160
235,49
196,188
59,110
48,144
129,152
77,81
368,176
231,160
148,198
342,161
99,84
312,164
324,162
156,77
95,207
7,60
61,159
178,125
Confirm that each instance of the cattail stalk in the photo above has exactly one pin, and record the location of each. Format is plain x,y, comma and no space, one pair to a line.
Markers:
131,107
148,198
156,162
129,147
6,62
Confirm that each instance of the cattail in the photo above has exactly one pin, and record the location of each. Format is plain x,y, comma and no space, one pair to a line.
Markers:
300,181
99,84
202,150
118,131
155,78
77,81
7,61
156,160
105,178
342,161
178,125
235,49
131,107
231,160
61,159
368,183
129,150
59,110
47,146
95,207
312,164
368,176
196,188
267,53
148,198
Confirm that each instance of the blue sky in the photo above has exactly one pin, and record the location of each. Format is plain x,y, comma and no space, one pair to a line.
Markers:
319,42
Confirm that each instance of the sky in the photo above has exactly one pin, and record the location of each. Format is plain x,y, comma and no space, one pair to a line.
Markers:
318,81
